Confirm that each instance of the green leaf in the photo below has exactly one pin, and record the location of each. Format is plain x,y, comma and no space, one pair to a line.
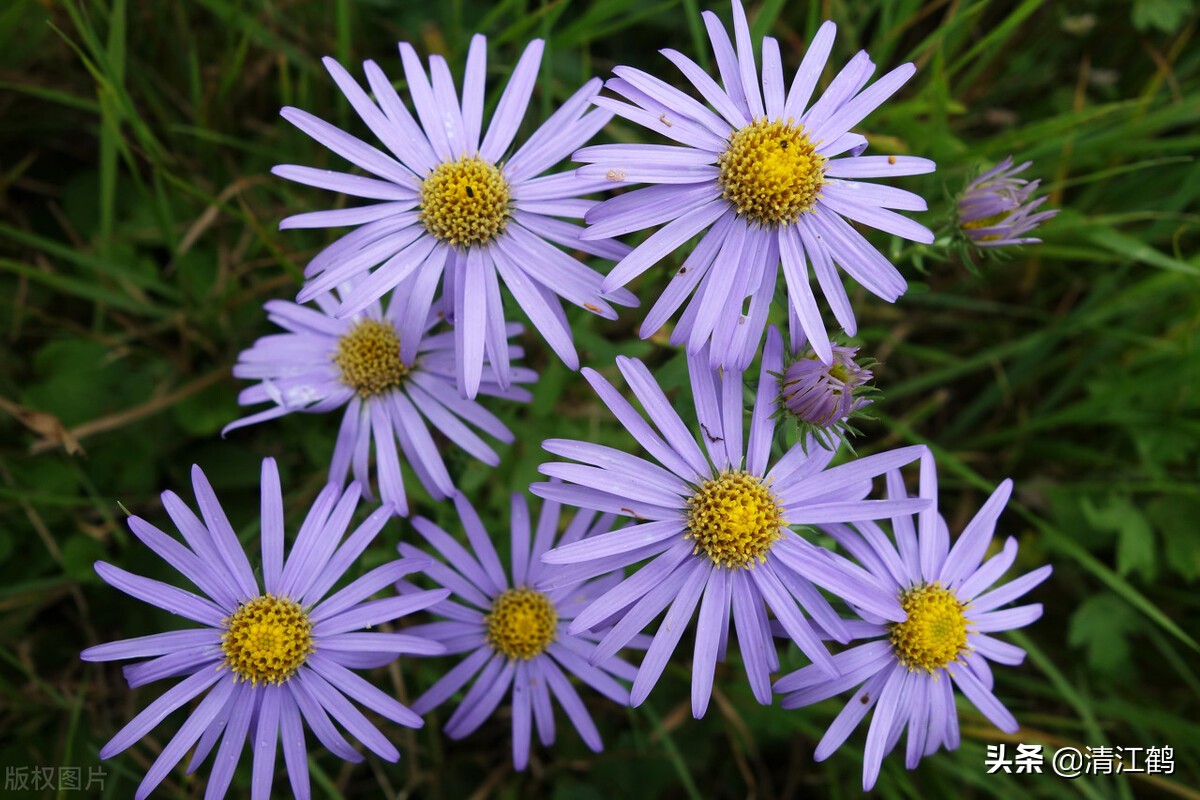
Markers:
1135,537
1101,625
1165,15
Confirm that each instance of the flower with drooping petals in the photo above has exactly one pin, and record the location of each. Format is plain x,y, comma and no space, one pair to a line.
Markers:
995,210
391,374
271,657
515,631
717,529
941,639
457,209
758,172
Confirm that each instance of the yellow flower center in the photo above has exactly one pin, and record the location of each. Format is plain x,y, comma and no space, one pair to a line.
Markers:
465,202
734,519
522,623
369,357
267,639
987,222
771,171
936,629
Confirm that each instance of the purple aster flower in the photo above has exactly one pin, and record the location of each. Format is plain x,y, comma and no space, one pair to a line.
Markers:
515,632
758,171
940,639
266,660
995,209
453,205
822,398
716,528
391,375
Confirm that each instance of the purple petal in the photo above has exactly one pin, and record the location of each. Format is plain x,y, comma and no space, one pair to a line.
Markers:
513,103
670,630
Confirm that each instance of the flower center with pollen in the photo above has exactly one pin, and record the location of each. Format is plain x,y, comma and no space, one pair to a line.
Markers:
771,171
465,202
935,631
267,639
522,623
734,519
369,357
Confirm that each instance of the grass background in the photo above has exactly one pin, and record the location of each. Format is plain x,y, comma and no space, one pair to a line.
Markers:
138,243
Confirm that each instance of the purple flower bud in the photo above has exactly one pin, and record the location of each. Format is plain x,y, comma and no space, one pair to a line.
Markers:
995,210
823,395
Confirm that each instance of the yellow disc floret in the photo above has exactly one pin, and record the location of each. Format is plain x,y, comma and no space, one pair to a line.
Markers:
267,639
465,202
771,171
936,629
522,623
734,519
369,357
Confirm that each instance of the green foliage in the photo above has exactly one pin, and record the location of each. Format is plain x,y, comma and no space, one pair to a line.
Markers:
138,242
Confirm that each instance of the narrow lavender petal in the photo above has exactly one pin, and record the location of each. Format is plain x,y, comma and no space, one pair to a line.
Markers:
708,638
541,311
419,448
489,559
481,701
345,713
968,551
405,256
982,671
985,701
188,733
852,472
918,721
990,571
158,710
427,108
1009,591
543,712
814,603
876,194
399,643
708,408
933,547
642,208
597,500
798,463
659,117
345,183
162,595
449,111
223,536
891,704
816,513
615,543
827,277
473,90
848,81
811,67
373,581
996,650
349,551
857,109
879,218
716,287
615,460
661,412
878,167
708,88
318,721
457,555
295,753
377,612
361,690
851,714
471,411
571,122
245,703
855,254
154,645
348,147
809,685
639,428
266,736
772,78
632,588
522,710
318,536
452,681
212,734
727,62
745,60
419,302
664,241
171,665
671,97
451,427
753,639
670,630
803,303
187,563
645,610
1008,618
512,105
776,596
568,698
346,217
612,481
593,676
766,401
272,526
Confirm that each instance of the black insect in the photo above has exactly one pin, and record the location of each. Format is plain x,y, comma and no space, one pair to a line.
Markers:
711,438
783,145
470,193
